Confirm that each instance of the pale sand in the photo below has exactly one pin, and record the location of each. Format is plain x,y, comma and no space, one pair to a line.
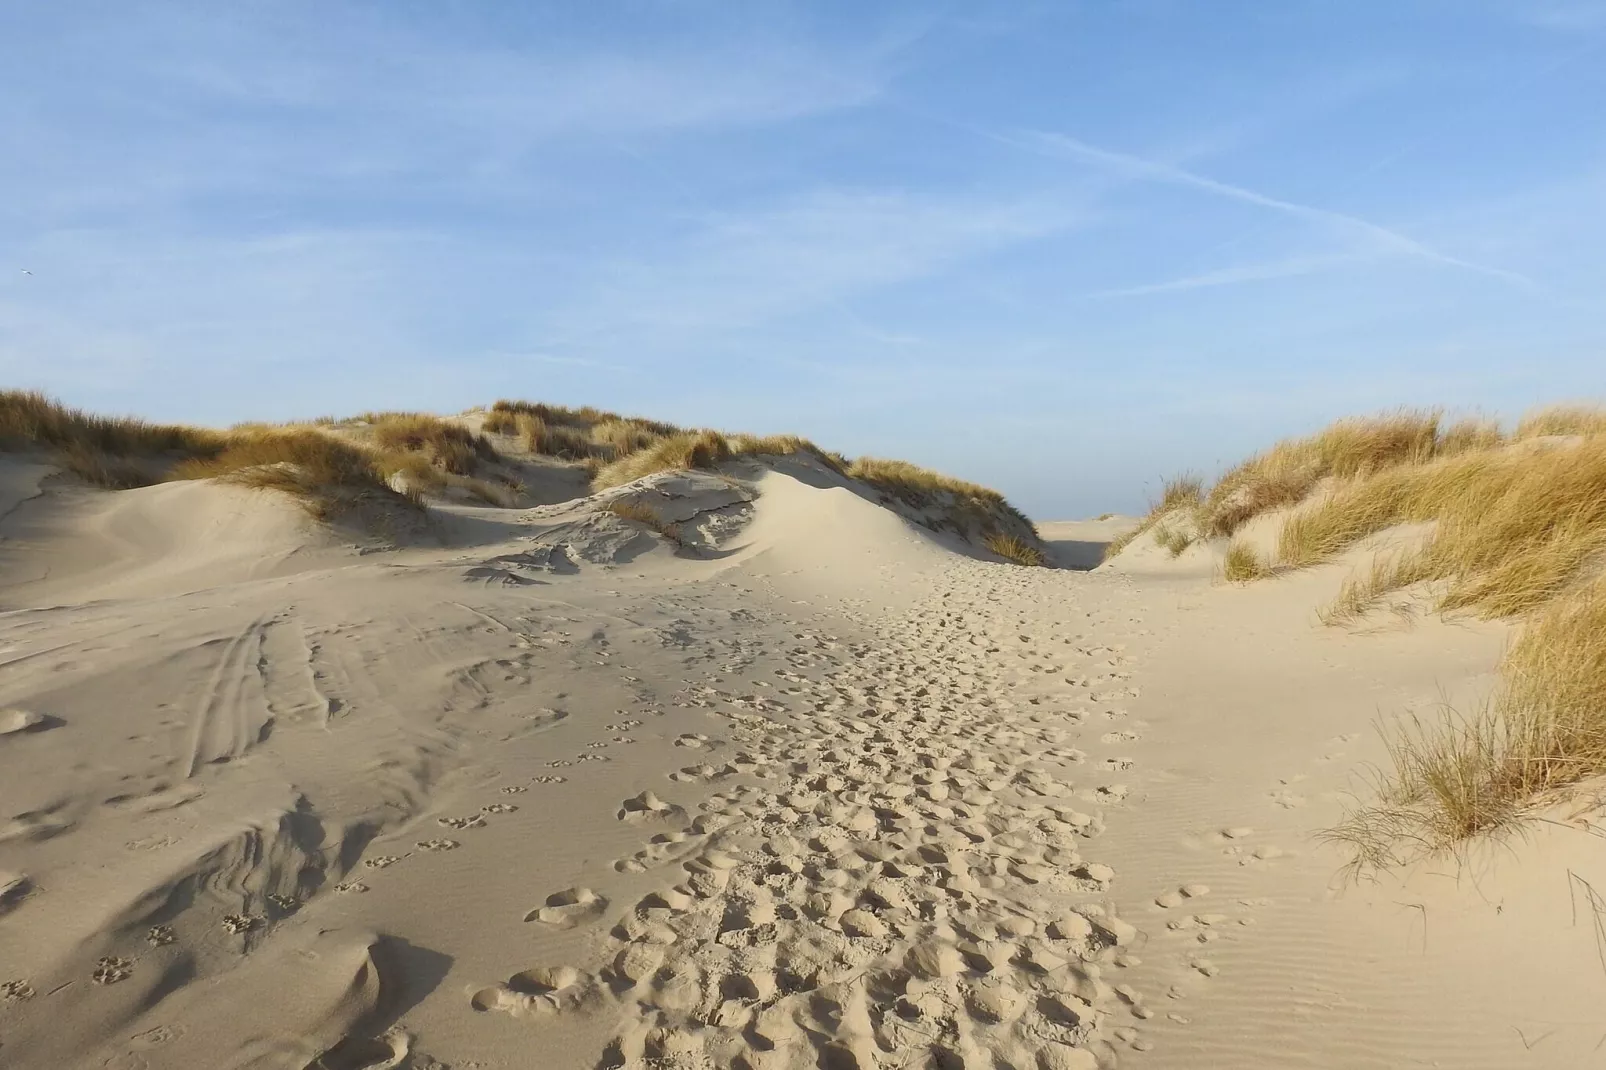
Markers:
820,792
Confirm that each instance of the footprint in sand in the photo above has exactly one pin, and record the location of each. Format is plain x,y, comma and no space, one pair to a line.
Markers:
160,935
548,779
473,821
16,991
111,969
648,807
568,908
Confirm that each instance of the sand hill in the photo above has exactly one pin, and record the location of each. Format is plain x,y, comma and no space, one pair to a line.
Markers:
554,739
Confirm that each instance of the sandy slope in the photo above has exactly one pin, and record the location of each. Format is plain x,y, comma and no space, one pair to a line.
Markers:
818,792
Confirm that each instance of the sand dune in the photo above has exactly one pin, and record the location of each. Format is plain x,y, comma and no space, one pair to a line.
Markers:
802,784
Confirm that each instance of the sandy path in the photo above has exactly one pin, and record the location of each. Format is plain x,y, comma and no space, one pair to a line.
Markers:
836,797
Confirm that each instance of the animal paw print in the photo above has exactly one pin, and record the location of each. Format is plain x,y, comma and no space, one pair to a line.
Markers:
498,808
515,789
241,923
473,821
160,935
438,845
16,991
351,886
594,758
559,763
381,861
287,903
111,969
545,779
598,744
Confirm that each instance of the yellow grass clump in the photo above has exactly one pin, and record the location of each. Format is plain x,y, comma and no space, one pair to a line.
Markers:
1242,563
449,446
1289,471
1012,548
325,473
1184,492
1562,420
1544,730
116,452
646,515
687,449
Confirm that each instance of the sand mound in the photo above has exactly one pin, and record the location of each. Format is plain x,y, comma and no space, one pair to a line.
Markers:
159,540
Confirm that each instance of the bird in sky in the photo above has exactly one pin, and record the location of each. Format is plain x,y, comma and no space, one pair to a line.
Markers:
25,271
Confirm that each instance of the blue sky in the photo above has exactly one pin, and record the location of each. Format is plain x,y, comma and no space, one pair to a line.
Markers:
1060,248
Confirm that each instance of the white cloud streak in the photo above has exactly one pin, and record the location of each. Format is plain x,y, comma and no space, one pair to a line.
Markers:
1378,237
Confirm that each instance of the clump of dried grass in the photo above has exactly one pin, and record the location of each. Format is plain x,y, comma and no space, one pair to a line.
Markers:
115,452
1514,528
1182,493
1012,548
323,472
449,446
1544,730
1562,420
646,515
1288,472
687,449
1243,563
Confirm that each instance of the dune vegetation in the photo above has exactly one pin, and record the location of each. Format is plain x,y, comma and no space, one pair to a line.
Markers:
403,456
1513,526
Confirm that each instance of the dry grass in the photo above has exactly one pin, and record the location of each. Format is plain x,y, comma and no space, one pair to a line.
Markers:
1011,548
1242,563
323,472
449,446
1174,540
687,449
581,435
1184,492
1543,731
646,515
1515,528
104,450
1562,420
1288,472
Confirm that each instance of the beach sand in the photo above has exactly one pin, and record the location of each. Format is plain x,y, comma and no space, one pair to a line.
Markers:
538,789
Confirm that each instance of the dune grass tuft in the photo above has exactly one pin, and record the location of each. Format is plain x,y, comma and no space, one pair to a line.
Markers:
1011,548
687,449
1174,540
1242,563
646,515
1288,472
449,446
1544,730
108,451
323,472
1562,420
1184,492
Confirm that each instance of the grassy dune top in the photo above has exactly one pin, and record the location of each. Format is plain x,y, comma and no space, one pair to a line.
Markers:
1515,529
399,457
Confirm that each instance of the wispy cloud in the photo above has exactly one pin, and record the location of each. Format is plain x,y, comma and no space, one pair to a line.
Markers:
1378,237
1291,267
